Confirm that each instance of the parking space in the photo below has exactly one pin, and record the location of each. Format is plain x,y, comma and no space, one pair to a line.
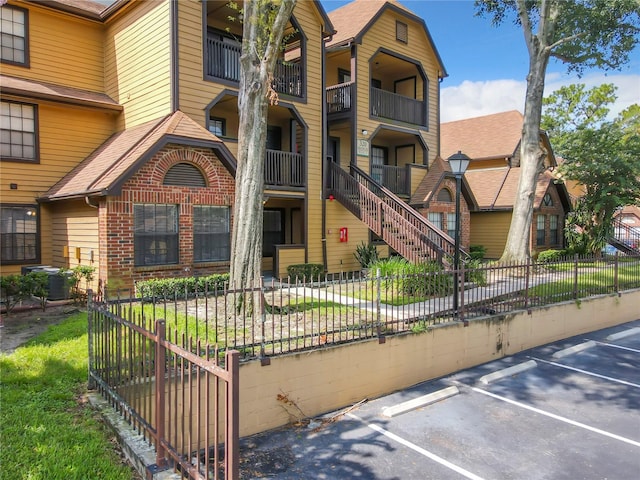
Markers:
567,410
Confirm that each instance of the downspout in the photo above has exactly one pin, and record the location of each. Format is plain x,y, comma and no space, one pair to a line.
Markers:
173,20
87,200
354,103
440,79
325,133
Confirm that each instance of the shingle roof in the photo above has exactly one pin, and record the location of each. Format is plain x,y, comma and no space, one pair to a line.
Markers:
438,171
351,19
83,7
124,152
58,93
489,136
495,188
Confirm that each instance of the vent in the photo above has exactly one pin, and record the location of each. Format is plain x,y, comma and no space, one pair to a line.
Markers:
402,32
184,175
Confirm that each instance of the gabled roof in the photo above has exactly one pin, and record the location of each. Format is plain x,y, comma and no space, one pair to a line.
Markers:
431,182
108,167
351,22
84,8
495,188
490,136
58,93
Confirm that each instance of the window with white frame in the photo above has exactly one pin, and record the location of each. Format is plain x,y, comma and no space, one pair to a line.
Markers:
155,235
211,233
19,234
13,35
451,225
436,219
18,137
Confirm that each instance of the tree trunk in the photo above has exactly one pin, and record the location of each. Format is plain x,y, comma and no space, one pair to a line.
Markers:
262,37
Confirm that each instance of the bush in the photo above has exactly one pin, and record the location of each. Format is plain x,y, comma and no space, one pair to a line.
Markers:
477,252
425,280
366,254
305,270
474,272
15,288
181,287
389,267
549,256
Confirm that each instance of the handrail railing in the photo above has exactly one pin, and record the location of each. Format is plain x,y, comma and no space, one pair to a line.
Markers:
625,238
397,107
339,97
401,227
394,178
223,61
284,169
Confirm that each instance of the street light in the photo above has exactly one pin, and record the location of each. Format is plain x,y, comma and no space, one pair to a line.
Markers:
458,162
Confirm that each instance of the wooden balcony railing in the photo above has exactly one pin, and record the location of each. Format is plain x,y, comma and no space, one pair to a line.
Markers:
284,169
394,178
339,97
223,61
397,107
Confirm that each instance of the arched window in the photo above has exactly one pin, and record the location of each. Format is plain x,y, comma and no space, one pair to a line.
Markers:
184,175
444,195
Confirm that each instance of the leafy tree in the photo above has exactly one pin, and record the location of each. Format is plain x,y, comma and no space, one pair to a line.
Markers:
601,156
264,23
580,33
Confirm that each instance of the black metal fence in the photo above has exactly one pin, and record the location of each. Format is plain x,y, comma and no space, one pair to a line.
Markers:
184,401
303,314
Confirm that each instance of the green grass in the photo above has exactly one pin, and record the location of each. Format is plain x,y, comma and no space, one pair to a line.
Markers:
45,430
590,282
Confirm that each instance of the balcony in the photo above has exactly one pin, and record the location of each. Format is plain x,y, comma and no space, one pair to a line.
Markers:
384,104
394,178
339,97
284,169
222,61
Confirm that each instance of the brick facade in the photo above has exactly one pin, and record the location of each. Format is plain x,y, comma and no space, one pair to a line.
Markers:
555,209
146,186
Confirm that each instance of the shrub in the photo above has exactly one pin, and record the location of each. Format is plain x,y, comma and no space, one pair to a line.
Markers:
549,256
181,287
305,270
389,267
15,288
474,272
477,252
425,280
366,254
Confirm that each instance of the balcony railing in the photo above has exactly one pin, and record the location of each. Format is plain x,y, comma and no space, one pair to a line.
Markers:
284,169
394,178
223,62
339,97
397,107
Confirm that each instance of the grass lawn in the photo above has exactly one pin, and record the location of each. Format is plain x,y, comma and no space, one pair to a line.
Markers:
46,430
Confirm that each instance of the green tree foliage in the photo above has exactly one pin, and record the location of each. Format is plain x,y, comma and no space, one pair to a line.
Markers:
602,156
580,33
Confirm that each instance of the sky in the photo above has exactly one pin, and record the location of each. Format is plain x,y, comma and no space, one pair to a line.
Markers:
488,65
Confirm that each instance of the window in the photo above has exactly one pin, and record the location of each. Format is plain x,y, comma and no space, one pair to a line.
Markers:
19,232
155,234
547,201
402,32
217,126
451,225
13,35
211,237
378,161
436,219
272,231
540,240
444,195
18,131
553,229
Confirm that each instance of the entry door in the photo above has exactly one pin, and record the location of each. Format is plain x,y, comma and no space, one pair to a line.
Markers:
379,159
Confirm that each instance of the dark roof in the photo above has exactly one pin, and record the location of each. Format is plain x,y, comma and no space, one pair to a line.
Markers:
438,171
108,167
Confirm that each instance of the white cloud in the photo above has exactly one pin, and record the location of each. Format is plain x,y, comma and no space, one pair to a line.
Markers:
474,99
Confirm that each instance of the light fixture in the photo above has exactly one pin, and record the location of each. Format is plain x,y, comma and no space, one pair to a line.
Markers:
365,132
458,162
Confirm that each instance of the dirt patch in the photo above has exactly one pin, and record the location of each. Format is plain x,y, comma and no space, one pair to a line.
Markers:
28,320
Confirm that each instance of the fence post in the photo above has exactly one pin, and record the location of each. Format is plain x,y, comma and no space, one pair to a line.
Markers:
91,384
264,360
378,294
460,292
232,424
527,282
575,277
616,280
160,392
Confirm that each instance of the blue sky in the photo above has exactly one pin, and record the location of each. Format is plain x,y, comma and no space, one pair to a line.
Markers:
488,65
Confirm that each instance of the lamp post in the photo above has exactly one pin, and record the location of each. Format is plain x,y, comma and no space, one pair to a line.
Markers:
458,162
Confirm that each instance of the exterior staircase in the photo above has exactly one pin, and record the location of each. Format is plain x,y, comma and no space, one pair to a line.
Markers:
625,238
396,223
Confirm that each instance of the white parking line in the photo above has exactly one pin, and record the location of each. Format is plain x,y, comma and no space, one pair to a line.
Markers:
418,449
613,345
586,372
557,417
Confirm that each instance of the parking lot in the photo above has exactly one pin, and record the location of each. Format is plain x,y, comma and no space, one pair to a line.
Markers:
568,410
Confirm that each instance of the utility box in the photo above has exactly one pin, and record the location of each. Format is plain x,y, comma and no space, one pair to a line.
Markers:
58,286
